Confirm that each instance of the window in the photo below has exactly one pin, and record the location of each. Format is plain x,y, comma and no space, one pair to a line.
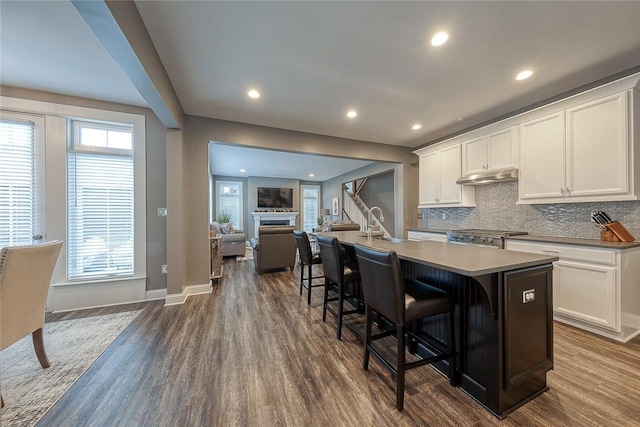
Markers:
230,201
310,207
100,195
19,186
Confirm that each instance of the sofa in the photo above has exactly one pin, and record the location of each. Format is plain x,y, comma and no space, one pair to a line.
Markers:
343,226
233,241
275,247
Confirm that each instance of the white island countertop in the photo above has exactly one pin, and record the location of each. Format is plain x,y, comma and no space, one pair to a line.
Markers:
468,260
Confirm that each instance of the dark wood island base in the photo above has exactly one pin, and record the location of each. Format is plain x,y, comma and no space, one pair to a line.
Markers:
504,319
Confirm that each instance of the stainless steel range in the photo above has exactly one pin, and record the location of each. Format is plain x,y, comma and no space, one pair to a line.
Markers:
490,238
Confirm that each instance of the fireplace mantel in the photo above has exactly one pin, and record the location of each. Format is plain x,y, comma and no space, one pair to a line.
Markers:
259,216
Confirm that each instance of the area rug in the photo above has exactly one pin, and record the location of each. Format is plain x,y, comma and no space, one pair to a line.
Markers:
72,346
248,254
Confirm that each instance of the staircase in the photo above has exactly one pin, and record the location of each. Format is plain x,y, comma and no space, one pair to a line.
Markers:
357,211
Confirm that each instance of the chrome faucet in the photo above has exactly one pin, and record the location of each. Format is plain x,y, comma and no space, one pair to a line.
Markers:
369,220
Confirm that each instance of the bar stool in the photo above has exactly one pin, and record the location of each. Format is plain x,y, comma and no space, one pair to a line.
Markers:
340,274
401,301
307,259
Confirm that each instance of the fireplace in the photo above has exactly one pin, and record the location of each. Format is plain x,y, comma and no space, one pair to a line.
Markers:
270,218
274,222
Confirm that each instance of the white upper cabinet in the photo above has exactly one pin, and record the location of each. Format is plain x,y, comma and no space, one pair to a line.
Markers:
580,154
439,170
494,151
542,157
598,148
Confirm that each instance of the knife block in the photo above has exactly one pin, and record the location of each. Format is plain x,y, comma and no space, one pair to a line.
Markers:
608,236
619,231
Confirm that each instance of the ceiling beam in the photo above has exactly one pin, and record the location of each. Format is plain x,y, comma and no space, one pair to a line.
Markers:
119,27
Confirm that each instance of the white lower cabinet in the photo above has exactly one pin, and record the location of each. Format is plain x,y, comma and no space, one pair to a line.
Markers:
595,289
586,292
425,235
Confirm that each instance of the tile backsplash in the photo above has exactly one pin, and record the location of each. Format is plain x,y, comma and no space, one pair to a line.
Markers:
496,209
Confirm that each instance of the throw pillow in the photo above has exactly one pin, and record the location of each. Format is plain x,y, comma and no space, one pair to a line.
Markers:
215,226
227,228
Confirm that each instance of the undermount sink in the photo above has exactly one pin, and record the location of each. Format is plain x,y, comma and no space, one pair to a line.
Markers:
386,238
394,239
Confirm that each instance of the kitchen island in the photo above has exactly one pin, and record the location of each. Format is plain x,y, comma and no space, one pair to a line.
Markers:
504,320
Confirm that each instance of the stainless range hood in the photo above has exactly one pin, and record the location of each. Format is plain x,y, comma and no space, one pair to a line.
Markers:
482,178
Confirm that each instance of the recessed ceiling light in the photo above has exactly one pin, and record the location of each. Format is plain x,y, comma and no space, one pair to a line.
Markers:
459,118
253,94
416,126
311,175
525,74
242,171
439,38
351,114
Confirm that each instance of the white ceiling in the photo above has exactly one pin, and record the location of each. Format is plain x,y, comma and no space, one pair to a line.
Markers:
228,160
313,60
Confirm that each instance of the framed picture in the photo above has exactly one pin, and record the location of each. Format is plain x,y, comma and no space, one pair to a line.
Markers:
336,206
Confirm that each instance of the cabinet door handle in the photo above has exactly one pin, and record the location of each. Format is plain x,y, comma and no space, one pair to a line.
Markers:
562,190
568,191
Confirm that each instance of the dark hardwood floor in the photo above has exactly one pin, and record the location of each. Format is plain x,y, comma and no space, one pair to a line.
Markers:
253,353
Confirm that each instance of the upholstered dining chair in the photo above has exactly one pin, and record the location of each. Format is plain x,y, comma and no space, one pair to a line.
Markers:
340,275
25,276
308,258
402,301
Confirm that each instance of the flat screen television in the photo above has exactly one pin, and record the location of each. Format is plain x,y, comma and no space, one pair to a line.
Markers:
276,198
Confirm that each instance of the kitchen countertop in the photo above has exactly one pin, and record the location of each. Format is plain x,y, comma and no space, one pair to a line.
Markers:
468,260
573,241
550,239
429,230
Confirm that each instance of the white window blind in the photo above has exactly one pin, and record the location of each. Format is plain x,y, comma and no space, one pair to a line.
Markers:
17,183
230,201
100,209
310,207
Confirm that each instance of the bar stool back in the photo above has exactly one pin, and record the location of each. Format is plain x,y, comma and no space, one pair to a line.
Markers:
401,301
307,259
339,274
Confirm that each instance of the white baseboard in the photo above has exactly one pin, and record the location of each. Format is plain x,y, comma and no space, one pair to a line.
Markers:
80,296
176,299
156,294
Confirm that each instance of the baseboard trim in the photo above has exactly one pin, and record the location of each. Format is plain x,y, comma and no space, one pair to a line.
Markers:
177,299
80,296
156,294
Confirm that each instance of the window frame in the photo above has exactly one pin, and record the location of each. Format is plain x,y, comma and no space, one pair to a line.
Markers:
56,144
79,154
218,184
302,204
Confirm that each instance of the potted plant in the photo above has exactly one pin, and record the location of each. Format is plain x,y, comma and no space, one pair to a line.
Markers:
224,217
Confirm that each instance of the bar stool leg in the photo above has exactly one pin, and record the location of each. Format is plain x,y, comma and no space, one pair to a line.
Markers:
340,310
367,338
401,369
326,297
301,277
309,286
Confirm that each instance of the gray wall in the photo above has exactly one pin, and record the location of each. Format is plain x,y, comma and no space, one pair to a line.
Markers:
496,209
156,173
379,190
333,188
200,130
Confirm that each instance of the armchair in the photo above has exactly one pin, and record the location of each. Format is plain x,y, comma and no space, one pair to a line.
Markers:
275,247
233,241
25,276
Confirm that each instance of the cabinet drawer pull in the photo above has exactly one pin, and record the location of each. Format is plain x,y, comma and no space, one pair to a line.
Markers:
547,251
